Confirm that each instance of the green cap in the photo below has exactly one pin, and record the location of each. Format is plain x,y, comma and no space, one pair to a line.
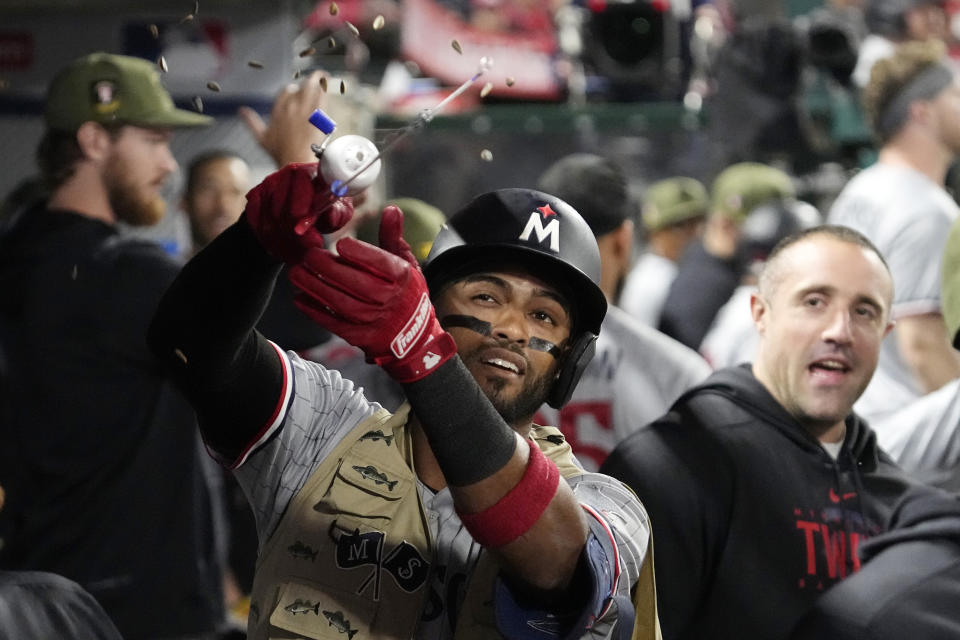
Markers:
741,188
421,224
108,88
950,283
672,201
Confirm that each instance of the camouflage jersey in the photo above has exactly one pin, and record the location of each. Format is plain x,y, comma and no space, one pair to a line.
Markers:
330,567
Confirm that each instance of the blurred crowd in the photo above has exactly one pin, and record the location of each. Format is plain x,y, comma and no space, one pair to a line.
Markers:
115,521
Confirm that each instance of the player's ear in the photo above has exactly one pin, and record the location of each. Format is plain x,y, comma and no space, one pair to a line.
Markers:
759,309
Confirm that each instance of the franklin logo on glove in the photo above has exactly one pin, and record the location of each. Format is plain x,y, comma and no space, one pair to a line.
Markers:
414,328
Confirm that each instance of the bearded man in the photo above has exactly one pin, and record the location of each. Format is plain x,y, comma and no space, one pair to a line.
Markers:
105,480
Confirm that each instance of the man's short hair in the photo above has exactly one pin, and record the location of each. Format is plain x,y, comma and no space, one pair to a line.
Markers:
838,232
889,77
593,185
201,160
58,153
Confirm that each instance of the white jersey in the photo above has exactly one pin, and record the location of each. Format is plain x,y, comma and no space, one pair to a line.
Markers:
322,408
907,216
924,436
635,376
646,287
732,338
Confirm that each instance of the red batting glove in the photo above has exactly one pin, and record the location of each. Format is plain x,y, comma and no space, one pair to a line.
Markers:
291,209
376,300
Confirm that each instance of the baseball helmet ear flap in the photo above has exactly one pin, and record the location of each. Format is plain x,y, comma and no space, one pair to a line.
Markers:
574,362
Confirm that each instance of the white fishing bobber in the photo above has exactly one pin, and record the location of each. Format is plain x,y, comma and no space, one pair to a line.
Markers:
343,157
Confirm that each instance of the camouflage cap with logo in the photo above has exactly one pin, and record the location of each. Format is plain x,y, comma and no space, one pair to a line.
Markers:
672,201
421,224
742,187
109,88
950,284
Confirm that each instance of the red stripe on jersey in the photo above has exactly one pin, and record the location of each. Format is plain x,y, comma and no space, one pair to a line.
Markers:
279,412
616,554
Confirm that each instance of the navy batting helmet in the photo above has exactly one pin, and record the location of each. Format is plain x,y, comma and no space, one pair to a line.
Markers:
542,233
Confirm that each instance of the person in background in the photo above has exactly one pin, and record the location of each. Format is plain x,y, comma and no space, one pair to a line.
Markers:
762,482
732,338
913,104
931,449
102,463
891,23
709,272
637,371
37,604
673,212
214,195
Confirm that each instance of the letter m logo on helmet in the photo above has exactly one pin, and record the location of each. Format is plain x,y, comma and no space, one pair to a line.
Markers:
550,232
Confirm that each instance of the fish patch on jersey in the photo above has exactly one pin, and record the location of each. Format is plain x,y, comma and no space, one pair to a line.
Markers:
370,472
302,551
376,436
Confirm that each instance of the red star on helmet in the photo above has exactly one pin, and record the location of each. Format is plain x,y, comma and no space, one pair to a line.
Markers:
546,211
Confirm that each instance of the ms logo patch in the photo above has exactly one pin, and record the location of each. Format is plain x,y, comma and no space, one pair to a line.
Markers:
403,563
549,232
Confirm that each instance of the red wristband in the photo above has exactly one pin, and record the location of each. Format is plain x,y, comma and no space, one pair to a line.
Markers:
520,508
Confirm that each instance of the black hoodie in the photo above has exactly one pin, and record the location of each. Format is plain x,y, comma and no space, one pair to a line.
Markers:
752,518
99,455
909,585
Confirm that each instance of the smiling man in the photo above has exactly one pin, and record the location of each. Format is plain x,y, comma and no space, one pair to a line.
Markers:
454,517
761,482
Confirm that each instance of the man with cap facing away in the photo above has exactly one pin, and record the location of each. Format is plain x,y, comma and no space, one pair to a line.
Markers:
104,475
672,215
913,104
637,371
709,272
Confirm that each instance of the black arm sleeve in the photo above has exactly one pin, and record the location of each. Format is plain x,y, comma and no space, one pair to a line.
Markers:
203,334
468,437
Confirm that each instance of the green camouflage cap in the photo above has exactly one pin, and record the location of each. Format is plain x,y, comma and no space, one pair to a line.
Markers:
950,283
672,201
421,224
108,88
741,188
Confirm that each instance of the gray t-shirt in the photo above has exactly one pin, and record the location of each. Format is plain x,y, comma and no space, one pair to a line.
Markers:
646,287
320,408
633,379
907,216
733,337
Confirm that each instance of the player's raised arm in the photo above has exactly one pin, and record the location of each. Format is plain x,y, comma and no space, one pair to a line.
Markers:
203,328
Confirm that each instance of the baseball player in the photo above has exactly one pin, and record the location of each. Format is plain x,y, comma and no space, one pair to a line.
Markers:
454,517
